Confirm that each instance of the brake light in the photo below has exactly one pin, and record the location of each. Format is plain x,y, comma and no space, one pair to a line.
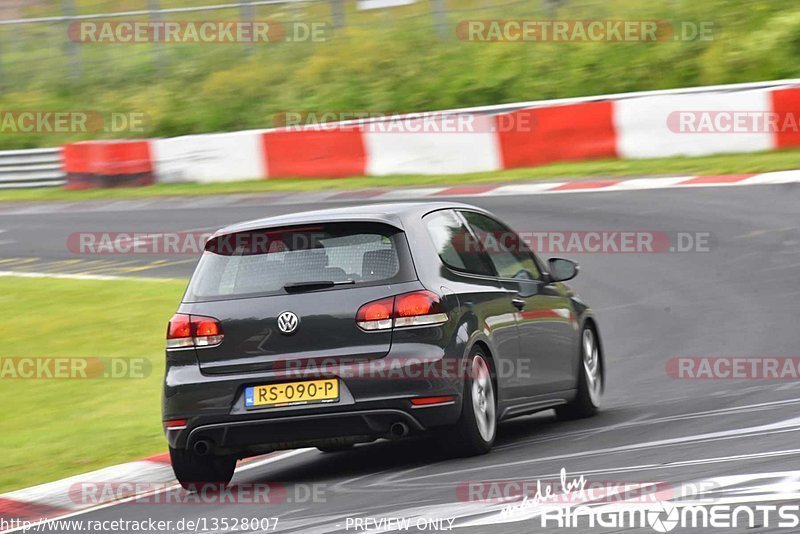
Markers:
376,315
420,308
179,332
207,331
193,331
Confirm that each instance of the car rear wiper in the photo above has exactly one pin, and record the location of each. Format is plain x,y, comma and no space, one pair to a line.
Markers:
316,284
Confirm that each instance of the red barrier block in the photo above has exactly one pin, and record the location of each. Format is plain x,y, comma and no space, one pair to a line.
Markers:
335,153
572,132
102,164
786,103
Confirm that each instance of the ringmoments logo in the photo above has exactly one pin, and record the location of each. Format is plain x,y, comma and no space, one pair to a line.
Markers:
663,517
573,502
667,516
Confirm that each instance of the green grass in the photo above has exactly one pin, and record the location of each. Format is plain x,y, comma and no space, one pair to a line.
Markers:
721,164
53,428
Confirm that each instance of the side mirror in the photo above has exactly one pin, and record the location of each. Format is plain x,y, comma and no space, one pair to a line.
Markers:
562,269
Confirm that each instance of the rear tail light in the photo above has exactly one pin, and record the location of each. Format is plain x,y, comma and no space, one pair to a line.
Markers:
179,332
207,331
420,308
193,331
376,315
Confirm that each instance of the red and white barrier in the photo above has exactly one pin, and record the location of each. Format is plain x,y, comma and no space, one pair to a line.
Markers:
98,164
430,152
209,158
650,127
572,132
314,153
636,125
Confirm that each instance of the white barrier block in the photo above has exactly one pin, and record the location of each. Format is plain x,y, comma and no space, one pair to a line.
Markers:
415,149
223,157
650,127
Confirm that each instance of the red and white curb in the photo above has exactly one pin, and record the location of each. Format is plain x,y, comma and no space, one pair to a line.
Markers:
57,499
701,121
596,185
578,186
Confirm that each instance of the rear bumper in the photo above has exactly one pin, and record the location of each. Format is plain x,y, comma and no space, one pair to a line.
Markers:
369,404
301,431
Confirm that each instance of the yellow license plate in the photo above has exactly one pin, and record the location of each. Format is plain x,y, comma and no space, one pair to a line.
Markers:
309,392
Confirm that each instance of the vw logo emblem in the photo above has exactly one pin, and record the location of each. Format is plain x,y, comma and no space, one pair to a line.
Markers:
288,322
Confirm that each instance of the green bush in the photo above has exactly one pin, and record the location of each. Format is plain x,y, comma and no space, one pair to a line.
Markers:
390,61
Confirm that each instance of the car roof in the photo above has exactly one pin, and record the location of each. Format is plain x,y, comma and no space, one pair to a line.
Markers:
397,214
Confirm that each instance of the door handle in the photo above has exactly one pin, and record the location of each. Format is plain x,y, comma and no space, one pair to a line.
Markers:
518,303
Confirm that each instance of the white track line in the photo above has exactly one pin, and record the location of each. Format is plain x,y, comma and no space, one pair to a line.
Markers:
26,274
789,425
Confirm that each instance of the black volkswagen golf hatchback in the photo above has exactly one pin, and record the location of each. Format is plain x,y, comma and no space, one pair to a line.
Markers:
342,326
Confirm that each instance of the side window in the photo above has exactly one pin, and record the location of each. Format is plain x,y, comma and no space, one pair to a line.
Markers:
454,244
509,255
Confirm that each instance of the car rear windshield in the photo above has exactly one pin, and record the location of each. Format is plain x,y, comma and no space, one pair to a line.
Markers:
293,259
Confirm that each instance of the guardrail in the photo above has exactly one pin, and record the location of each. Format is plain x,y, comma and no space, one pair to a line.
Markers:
520,134
35,167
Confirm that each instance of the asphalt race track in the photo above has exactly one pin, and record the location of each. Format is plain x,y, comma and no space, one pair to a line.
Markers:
736,440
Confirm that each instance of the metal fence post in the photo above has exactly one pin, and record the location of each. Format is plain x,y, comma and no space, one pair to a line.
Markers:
2,43
248,15
439,13
68,11
337,11
551,7
158,52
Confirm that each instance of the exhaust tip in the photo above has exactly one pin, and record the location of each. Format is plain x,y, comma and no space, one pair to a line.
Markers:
202,447
398,430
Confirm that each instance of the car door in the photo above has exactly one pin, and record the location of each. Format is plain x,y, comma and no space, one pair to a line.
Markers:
468,273
546,323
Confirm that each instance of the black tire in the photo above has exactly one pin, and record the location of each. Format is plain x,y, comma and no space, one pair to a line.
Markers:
466,437
335,448
587,400
192,470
